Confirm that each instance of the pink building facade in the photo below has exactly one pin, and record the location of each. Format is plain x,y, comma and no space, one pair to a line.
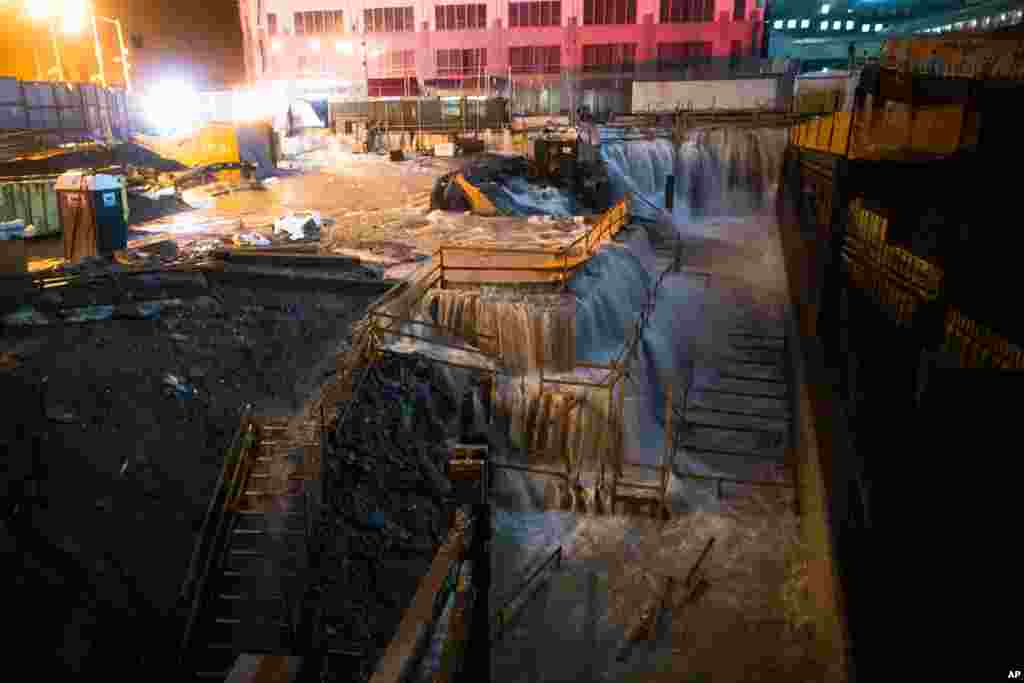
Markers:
398,47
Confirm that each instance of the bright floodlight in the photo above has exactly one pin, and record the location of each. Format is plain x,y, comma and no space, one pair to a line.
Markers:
864,28
805,23
836,25
824,26
825,8
778,23
172,107
74,14
878,27
40,9
849,25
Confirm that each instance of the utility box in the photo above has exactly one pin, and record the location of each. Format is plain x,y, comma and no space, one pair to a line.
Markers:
92,214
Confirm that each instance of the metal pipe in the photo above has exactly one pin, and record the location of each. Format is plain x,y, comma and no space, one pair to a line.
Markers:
56,52
96,45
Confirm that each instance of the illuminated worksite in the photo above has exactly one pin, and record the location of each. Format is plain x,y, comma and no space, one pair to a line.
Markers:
617,371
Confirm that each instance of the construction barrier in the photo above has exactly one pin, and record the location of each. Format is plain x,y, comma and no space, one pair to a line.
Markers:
33,201
870,135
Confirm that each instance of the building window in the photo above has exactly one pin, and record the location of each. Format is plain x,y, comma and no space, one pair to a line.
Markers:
272,24
617,57
739,10
609,12
864,28
805,23
457,62
534,14
672,56
685,11
136,39
823,26
525,60
836,25
777,24
316,23
791,23
825,8
397,62
459,17
388,20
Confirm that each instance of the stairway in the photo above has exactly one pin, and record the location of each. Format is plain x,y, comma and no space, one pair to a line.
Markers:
251,595
735,414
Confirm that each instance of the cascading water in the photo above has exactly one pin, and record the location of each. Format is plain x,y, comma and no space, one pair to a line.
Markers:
718,171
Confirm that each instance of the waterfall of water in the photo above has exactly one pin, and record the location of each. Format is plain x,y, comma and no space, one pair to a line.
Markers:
527,333
719,171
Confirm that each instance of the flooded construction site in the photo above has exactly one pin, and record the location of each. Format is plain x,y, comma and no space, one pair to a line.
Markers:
619,353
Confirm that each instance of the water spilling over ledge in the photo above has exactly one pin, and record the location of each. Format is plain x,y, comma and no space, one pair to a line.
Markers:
719,171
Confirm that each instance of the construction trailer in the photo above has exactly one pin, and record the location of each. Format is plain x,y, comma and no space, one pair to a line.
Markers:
419,122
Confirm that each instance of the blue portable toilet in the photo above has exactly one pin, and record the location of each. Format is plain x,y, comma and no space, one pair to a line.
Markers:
92,214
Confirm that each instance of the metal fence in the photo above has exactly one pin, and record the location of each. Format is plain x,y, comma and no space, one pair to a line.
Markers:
41,115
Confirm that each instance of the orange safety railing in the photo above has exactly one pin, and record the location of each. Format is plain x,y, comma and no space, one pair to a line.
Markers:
475,264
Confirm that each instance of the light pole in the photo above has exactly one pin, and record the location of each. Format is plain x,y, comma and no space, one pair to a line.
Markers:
121,45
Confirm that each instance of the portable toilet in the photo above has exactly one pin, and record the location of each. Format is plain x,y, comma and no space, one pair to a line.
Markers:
92,214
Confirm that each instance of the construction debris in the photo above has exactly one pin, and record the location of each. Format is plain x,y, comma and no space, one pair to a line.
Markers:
299,225
389,498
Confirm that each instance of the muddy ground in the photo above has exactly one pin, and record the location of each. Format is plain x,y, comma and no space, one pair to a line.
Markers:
127,462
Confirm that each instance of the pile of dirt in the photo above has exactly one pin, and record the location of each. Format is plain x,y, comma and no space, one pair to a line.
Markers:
129,455
387,490
133,154
89,156
142,209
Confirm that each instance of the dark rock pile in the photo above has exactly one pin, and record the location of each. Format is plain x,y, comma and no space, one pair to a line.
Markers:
387,509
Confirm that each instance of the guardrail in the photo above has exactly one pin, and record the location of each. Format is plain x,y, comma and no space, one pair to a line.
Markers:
481,264
213,536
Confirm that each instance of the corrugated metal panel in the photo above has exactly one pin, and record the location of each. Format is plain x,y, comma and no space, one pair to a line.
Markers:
33,201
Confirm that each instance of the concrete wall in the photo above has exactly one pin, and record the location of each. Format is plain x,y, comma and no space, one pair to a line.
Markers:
750,93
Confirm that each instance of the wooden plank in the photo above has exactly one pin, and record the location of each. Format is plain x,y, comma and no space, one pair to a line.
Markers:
394,663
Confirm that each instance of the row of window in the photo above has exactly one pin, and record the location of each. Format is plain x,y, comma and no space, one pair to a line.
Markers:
534,14
996,20
825,25
543,59
460,17
388,20
312,23
520,14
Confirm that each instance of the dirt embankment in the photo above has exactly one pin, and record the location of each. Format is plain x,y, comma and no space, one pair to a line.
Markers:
137,416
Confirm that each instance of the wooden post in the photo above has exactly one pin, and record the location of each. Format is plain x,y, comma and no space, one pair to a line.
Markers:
668,446
440,281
